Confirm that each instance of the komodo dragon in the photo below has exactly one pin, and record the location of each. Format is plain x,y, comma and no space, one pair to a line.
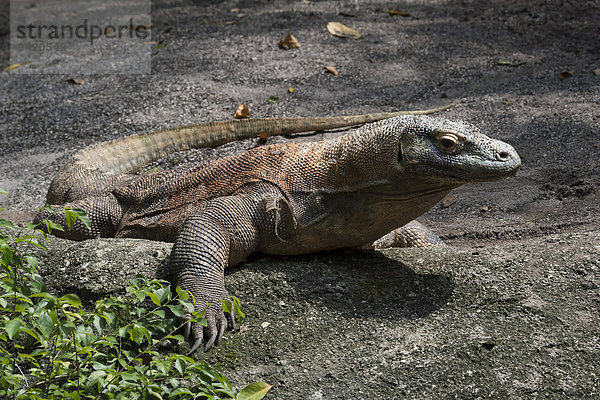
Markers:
279,199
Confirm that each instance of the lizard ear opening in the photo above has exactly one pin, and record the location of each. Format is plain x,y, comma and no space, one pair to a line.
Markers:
400,154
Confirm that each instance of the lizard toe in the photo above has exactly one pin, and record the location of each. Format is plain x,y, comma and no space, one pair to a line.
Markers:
222,326
195,347
216,324
197,334
187,329
230,317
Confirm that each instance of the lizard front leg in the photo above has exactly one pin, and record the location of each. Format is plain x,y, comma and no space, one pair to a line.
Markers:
105,213
221,233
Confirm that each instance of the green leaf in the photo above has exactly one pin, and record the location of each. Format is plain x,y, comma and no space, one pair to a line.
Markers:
154,298
237,308
122,332
8,257
178,338
163,366
73,395
136,333
254,391
12,327
7,224
226,304
99,324
509,63
45,324
139,294
274,99
179,366
31,260
45,295
181,391
19,308
95,376
85,335
155,391
3,192
71,215
72,300
182,294
177,310
50,226
32,333
67,327
164,293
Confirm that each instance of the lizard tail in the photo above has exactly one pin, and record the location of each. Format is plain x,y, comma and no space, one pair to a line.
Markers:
98,168
132,153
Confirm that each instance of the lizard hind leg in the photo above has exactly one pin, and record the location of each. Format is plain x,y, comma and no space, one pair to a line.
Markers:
413,234
104,212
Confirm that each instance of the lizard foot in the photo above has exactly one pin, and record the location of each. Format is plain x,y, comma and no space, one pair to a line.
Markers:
413,234
217,321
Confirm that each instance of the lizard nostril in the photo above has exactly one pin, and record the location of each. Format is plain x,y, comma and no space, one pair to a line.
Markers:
503,156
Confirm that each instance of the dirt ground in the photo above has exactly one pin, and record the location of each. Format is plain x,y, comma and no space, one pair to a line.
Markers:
511,310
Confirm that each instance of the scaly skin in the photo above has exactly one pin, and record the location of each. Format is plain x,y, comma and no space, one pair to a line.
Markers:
294,199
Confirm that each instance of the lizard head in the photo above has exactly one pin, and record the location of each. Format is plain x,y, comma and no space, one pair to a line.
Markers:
451,152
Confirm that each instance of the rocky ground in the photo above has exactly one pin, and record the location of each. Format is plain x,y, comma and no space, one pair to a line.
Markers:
510,311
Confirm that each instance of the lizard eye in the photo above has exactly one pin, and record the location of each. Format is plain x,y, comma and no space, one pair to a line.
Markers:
448,142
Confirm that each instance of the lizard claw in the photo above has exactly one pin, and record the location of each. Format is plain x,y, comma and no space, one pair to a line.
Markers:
187,328
194,347
212,333
230,316
209,343
231,320
222,328
195,332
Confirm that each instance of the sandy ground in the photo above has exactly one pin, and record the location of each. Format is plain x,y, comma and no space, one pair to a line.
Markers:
511,311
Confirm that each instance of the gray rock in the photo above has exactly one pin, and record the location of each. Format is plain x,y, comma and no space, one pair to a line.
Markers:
512,320
102,267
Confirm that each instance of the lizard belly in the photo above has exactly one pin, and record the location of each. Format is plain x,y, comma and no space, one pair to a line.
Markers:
353,220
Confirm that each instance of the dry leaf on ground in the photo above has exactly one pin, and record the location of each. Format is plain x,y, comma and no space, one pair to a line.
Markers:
447,201
242,112
400,13
597,72
341,30
263,136
135,27
15,66
76,81
331,68
289,42
566,74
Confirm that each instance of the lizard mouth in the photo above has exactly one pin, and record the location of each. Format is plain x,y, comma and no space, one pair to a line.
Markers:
494,164
504,164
